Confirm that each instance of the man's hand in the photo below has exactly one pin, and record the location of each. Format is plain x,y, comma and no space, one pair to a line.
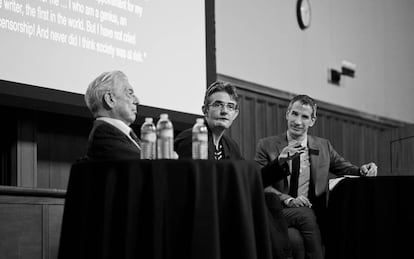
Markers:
369,169
300,201
289,152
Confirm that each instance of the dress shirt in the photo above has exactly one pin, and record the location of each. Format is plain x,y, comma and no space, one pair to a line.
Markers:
304,172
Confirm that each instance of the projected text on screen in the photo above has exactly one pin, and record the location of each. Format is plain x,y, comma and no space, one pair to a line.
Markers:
78,24
65,44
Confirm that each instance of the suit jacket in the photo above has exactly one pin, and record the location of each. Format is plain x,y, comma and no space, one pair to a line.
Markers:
108,142
270,172
328,160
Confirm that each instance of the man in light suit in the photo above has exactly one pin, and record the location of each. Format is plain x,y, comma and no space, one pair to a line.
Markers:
112,101
305,194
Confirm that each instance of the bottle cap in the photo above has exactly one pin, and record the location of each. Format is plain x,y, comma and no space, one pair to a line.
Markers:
164,116
148,120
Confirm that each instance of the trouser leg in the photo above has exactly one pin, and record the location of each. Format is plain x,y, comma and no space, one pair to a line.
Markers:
304,219
278,227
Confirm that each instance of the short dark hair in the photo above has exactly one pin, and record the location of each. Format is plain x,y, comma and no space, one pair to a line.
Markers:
305,100
219,86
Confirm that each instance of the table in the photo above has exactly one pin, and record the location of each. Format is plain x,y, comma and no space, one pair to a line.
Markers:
371,217
165,209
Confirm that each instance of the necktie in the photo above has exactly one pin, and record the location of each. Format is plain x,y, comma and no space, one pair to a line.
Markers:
294,178
134,137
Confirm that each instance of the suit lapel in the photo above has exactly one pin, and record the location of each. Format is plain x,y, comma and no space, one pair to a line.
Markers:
314,160
281,143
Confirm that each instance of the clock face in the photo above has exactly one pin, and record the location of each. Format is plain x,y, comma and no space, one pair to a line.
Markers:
304,14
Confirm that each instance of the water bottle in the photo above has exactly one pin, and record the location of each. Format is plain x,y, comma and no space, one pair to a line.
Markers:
200,140
148,139
165,137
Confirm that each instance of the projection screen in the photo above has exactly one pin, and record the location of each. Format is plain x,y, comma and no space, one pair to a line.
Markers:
65,44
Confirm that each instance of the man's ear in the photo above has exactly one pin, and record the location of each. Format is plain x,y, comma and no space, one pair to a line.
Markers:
235,114
108,100
313,120
204,109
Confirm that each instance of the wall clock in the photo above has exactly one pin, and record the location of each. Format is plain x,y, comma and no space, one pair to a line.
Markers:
303,13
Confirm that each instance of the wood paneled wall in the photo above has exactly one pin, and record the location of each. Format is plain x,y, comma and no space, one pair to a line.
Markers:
398,151
59,145
355,135
30,222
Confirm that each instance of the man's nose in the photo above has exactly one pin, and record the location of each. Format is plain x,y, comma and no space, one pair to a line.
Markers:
224,109
135,100
297,120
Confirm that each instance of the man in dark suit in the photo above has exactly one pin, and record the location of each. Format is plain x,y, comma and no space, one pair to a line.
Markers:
304,191
112,101
220,110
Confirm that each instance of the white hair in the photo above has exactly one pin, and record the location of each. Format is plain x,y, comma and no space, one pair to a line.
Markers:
97,88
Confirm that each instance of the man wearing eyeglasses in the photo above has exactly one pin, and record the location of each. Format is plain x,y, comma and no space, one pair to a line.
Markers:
220,109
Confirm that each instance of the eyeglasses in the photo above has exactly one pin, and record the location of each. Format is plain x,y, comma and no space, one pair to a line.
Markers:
220,105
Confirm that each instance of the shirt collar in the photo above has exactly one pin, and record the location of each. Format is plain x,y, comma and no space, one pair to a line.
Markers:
304,142
116,123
